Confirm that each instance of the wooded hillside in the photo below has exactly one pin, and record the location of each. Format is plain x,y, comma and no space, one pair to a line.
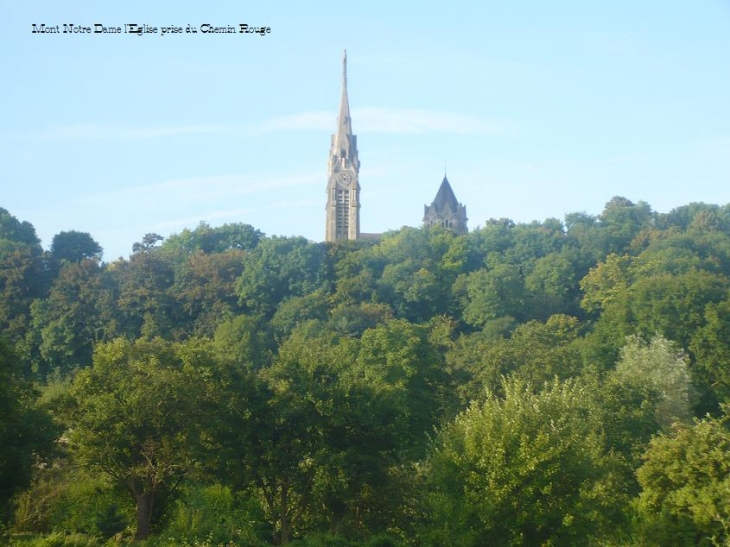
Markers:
550,383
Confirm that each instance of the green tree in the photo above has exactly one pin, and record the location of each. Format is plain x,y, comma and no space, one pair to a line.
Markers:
26,431
281,268
11,229
494,293
135,417
206,239
245,342
204,291
711,348
355,320
324,432
146,305
526,469
291,312
67,323
535,351
686,485
553,285
621,221
661,367
75,246
24,275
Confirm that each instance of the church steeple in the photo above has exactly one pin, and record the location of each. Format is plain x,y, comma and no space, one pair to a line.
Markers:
446,210
344,143
343,168
344,122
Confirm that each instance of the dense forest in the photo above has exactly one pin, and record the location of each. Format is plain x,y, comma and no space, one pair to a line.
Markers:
550,383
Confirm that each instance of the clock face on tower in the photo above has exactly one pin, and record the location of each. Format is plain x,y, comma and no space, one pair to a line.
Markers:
343,178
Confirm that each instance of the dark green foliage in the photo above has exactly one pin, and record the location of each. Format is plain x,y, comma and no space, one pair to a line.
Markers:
23,276
75,246
11,229
214,240
535,351
26,431
70,319
280,268
204,291
146,304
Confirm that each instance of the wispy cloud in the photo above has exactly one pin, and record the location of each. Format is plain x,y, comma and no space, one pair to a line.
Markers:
366,120
419,120
304,121
198,189
95,131
392,120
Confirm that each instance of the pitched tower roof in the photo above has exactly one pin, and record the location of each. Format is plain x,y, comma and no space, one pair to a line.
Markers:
445,196
445,211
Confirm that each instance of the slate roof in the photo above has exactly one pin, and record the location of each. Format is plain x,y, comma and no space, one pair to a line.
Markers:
445,196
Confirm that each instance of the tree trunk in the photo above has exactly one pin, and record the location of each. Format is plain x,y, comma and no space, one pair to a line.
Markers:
284,525
145,507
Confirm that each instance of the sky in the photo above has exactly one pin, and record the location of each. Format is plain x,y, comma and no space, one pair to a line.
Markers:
534,110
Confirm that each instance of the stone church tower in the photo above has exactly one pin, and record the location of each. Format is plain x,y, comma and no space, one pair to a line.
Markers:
343,169
446,210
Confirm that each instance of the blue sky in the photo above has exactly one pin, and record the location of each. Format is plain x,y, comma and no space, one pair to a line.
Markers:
538,108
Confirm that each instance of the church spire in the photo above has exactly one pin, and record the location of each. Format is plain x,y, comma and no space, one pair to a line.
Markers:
344,123
343,186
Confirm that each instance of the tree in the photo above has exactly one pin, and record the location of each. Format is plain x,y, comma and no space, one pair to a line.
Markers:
323,433
536,352
67,323
526,469
621,221
135,417
22,279
214,240
280,268
686,485
23,274
711,348
204,291
245,342
75,246
661,367
26,431
149,242
146,304
552,285
11,229
494,293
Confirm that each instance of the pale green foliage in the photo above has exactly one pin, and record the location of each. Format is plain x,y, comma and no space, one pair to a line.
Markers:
605,282
58,539
659,365
213,515
686,485
65,498
528,469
